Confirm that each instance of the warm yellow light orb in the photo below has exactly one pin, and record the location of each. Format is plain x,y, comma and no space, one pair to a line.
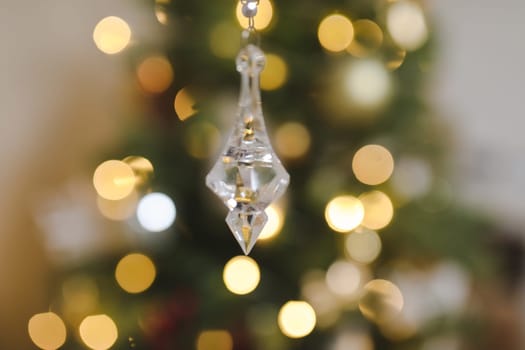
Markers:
47,331
343,278
184,104
407,25
155,74
215,340
274,74
98,332
274,224
379,210
111,35
241,275
135,273
335,33
142,168
296,319
373,164
368,37
118,210
382,301
292,140
363,246
344,213
114,180
263,17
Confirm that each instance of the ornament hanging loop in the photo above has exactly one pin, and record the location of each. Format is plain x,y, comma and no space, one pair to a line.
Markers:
249,35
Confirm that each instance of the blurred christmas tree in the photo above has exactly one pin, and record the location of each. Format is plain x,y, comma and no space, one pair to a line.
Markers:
368,244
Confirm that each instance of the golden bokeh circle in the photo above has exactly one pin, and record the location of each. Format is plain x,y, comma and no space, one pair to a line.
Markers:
201,140
215,340
296,319
373,164
344,213
407,25
155,74
184,104
241,275
114,180
111,35
382,301
368,38
292,140
135,273
47,331
98,332
274,74
335,33
379,210
274,224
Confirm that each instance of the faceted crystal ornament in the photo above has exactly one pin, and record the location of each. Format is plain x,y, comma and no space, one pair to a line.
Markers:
248,176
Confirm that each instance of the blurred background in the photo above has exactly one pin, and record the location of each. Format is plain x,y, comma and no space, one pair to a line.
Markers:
399,123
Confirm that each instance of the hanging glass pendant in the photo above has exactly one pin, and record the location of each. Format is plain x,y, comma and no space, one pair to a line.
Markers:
248,176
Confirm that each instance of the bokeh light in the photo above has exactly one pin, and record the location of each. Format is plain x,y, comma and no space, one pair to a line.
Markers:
353,340
112,35
274,224
47,331
379,210
184,104
274,74
335,33
262,19
155,74
98,332
363,246
221,43
407,25
368,84
81,297
202,140
292,140
344,213
118,210
412,177
296,319
317,293
382,301
394,57
114,180
142,168
156,212
135,273
343,278
161,14
214,340
373,164
368,37
241,275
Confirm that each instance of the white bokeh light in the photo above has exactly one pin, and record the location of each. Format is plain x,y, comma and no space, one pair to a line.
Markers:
156,212
368,83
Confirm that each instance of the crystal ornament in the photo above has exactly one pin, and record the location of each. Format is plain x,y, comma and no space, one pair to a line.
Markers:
248,176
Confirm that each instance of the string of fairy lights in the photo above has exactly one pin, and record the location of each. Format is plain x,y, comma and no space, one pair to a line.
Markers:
347,283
